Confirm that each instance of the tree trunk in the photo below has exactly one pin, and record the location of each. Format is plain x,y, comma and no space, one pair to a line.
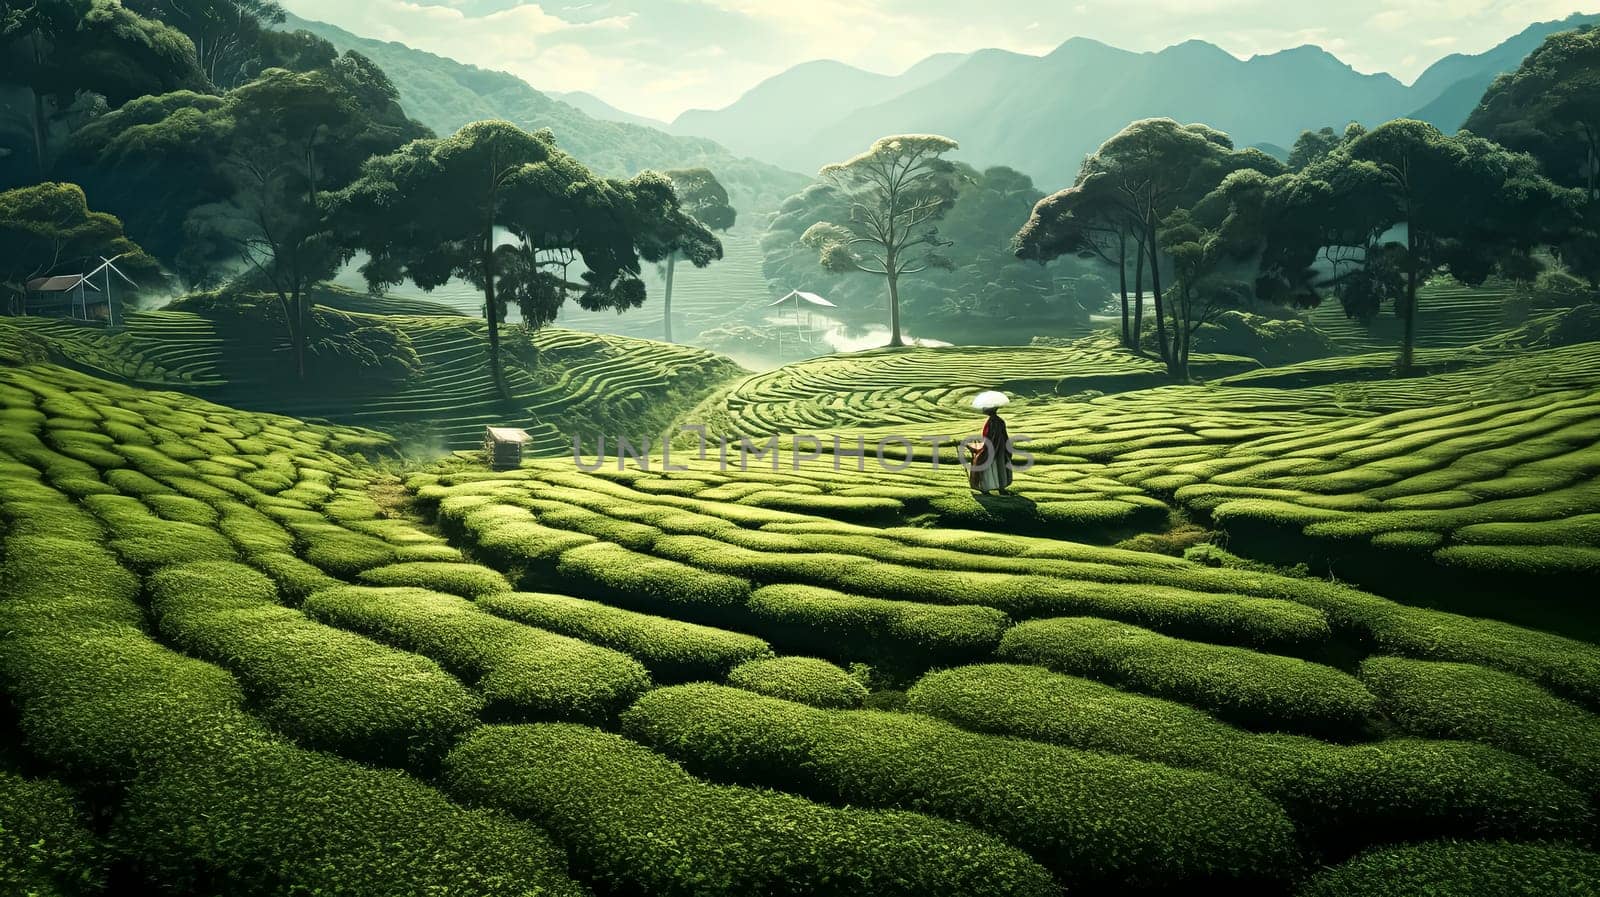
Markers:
1138,298
1122,283
1155,286
40,133
491,313
666,304
1408,340
894,312
299,334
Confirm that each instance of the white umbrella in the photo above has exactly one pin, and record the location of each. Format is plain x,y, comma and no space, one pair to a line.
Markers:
988,401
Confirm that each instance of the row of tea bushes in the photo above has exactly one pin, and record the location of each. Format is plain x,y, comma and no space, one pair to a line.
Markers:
521,671
204,798
1096,820
1342,797
641,824
1463,869
330,689
1283,614
1459,700
805,680
673,651
1251,689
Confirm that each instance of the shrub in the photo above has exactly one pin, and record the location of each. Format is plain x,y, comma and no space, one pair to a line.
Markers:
1459,700
340,551
837,624
57,567
1341,797
45,846
673,651
642,581
1230,619
1097,820
467,580
642,825
330,689
1461,869
805,680
257,817
1261,691
251,530
99,699
519,669
296,579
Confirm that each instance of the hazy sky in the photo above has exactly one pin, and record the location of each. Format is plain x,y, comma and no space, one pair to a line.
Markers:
659,57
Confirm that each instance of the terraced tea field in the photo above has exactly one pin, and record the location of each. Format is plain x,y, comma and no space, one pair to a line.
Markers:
582,382
244,657
1449,316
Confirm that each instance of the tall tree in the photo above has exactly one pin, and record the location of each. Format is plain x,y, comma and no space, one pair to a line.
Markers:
512,214
226,34
703,198
1550,107
1136,179
1463,203
49,229
1084,221
897,190
61,50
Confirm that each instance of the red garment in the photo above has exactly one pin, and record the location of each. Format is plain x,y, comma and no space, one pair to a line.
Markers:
994,431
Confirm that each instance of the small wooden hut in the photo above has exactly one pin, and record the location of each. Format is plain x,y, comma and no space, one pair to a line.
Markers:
66,296
502,447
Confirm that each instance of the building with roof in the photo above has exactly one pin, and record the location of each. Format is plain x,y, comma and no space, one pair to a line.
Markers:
66,296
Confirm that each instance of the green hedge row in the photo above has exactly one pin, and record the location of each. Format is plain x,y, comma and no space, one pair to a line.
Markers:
215,804
328,688
1342,797
466,580
146,542
1564,665
651,584
264,818
1096,820
638,824
836,624
805,680
1459,700
1463,869
46,848
1251,689
520,670
673,651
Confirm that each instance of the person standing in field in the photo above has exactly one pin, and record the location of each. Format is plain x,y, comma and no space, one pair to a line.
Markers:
991,456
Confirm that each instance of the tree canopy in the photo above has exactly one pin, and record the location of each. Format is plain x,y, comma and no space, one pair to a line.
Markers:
1124,192
49,228
896,192
703,198
523,221
68,53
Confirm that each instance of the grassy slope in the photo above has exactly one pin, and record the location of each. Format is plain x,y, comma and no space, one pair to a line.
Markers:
582,383
138,524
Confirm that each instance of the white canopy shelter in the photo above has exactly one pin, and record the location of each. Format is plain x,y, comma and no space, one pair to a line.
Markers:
800,305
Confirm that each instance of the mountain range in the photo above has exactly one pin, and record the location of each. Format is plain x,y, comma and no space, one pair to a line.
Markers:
1043,114
445,95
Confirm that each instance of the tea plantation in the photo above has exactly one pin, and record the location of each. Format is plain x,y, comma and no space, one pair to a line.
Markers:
247,653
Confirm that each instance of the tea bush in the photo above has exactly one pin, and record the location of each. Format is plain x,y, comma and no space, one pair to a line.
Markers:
640,824
520,670
805,680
